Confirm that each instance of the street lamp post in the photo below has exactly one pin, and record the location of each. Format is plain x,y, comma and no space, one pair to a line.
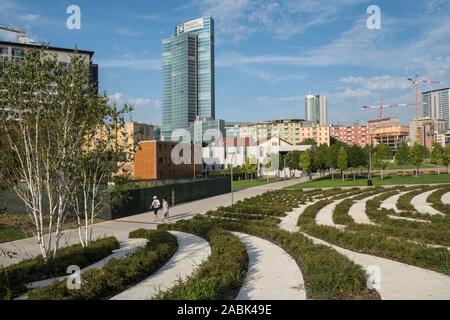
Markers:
369,175
232,189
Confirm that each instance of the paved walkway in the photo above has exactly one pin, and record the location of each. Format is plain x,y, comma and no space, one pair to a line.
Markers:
397,281
325,215
421,205
289,222
358,211
446,198
391,203
120,228
408,219
272,273
192,251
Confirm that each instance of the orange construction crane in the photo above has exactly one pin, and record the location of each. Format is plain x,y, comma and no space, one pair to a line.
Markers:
416,83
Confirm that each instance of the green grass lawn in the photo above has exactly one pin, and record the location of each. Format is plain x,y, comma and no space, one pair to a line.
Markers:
8,233
245,184
388,180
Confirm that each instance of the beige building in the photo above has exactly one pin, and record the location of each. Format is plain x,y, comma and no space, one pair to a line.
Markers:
430,130
293,131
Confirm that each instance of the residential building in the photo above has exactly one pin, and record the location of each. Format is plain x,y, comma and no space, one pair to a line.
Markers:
14,52
316,108
436,105
294,131
153,160
356,134
188,76
430,130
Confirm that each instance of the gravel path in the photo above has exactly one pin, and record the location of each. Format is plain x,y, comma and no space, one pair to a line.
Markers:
272,273
421,205
398,281
446,198
358,211
192,251
325,215
391,203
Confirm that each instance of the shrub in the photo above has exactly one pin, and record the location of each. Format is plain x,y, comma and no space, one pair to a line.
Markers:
118,274
13,279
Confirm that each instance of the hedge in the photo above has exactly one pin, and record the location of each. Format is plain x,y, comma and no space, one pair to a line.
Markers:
118,274
14,278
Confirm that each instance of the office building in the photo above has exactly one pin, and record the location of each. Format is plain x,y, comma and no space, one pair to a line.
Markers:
436,105
316,108
188,76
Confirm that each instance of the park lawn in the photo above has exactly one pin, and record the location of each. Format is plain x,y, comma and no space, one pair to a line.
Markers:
388,180
245,184
9,233
15,226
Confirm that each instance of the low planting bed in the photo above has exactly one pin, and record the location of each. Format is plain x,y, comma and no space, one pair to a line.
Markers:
327,274
218,278
378,241
14,278
117,275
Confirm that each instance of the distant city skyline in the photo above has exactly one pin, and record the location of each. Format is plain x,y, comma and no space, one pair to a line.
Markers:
269,54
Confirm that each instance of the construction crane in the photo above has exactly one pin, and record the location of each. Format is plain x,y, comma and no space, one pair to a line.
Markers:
382,106
21,34
416,83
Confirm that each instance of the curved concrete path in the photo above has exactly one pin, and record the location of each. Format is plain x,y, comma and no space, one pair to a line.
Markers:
358,211
421,205
446,198
289,222
270,265
398,281
391,203
192,251
408,219
126,248
325,215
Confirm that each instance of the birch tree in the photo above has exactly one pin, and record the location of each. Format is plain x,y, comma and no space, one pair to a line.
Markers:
51,111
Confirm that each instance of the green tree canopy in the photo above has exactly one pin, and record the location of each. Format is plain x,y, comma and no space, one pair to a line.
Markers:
402,155
417,156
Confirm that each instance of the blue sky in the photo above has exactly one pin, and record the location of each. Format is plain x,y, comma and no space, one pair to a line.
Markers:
269,54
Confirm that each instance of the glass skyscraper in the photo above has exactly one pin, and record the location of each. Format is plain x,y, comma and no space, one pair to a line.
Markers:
188,76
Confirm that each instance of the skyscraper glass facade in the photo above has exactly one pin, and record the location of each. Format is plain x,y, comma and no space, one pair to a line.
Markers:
436,105
188,75
179,83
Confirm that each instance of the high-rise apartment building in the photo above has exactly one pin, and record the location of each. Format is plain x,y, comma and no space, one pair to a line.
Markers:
430,130
316,108
436,105
188,76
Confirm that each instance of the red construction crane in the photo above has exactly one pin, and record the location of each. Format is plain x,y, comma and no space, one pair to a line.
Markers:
416,83
382,106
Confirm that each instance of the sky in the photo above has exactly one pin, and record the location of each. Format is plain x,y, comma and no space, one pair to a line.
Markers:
269,53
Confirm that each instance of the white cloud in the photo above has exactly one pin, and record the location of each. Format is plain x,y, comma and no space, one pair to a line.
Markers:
128,63
237,19
292,99
128,32
29,17
385,82
142,103
359,93
271,77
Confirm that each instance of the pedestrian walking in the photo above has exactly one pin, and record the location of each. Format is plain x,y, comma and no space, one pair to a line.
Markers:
155,207
165,209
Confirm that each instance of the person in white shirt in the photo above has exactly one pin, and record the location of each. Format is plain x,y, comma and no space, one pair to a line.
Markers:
155,207
165,209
